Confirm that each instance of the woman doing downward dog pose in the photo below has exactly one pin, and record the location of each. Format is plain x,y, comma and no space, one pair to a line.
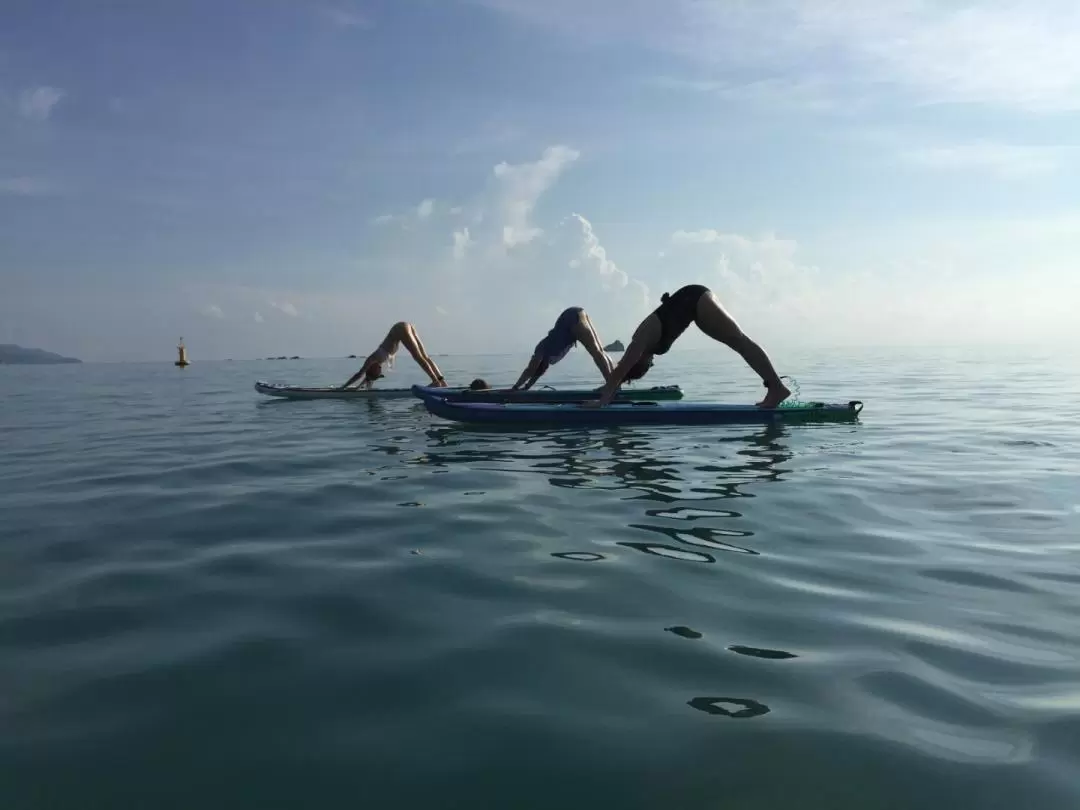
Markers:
695,304
399,333
572,325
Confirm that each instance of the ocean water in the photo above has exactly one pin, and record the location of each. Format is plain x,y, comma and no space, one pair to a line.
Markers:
213,599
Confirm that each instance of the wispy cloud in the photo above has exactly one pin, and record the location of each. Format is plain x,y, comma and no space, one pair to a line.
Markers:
1008,53
593,255
758,277
499,248
793,92
420,213
258,317
920,294
212,311
37,103
521,185
345,18
285,307
462,241
1006,160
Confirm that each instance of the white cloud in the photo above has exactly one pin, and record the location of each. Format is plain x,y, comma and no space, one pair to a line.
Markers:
1008,53
37,103
1005,160
757,273
519,188
501,250
796,92
592,254
703,237
462,241
345,18
421,213
258,317
924,295
212,311
1005,52
441,310
285,307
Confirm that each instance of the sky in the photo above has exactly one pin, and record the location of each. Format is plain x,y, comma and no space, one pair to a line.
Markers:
267,177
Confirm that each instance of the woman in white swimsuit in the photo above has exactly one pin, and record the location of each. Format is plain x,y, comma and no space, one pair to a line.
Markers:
400,333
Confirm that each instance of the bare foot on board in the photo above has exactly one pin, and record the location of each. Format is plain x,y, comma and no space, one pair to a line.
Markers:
775,395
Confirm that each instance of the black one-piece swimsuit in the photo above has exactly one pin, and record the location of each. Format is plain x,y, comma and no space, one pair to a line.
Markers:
676,312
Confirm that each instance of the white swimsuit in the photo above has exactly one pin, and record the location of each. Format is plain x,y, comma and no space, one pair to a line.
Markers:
384,357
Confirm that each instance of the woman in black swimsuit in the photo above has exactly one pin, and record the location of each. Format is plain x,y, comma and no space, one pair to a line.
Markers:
655,335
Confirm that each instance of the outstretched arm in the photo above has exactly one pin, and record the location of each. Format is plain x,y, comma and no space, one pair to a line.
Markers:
646,335
359,374
530,374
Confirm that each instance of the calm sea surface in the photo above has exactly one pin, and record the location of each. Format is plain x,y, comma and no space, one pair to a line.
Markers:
210,599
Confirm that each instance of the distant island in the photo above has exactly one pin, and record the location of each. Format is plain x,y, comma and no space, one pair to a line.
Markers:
18,355
615,347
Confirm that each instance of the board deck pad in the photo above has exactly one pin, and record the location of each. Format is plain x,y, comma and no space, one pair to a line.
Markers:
639,413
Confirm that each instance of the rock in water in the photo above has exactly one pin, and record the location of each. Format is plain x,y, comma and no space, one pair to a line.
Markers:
615,347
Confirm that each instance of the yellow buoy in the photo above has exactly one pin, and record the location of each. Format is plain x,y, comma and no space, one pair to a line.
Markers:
182,360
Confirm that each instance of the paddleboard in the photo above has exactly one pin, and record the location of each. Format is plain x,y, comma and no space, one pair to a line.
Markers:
637,413
300,392
547,395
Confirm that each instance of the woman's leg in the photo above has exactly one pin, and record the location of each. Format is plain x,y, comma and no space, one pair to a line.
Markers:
584,332
411,340
714,321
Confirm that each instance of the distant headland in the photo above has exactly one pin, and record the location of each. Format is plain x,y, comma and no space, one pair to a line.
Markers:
19,355
615,347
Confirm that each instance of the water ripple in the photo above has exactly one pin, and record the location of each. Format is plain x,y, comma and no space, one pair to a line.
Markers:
309,602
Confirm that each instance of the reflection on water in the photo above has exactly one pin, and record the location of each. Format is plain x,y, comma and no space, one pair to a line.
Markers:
579,556
716,705
326,583
700,536
685,482
671,552
755,652
685,472
685,632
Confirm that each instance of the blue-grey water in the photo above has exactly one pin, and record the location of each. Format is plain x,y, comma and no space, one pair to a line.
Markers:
212,599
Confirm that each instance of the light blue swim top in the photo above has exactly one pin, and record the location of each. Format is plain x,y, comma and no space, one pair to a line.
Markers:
560,340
